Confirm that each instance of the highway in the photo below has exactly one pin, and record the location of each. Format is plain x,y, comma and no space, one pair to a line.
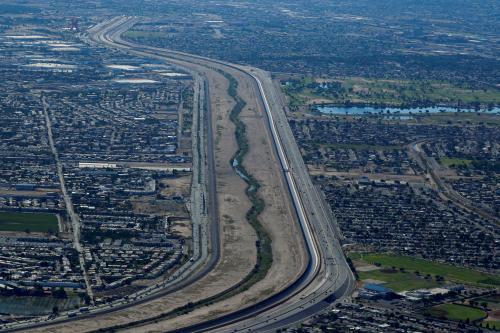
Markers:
328,277
204,208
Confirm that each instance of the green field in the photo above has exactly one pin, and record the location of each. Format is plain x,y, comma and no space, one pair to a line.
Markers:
31,305
493,302
399,281
457,312
493,324
455,161
387,92
460,118
451,273
34,222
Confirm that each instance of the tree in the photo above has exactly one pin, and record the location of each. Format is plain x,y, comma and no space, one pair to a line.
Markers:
38,289
60,293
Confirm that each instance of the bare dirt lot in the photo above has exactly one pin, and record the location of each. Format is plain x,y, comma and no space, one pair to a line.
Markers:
176,186
182,228
159,207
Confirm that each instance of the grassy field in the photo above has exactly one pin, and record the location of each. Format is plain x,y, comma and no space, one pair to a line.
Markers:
451,273
493,324
388,92
460,118
27,305
454,161
493,302
399,281
34,222
457,312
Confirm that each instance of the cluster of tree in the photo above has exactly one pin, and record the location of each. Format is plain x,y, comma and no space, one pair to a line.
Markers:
36,290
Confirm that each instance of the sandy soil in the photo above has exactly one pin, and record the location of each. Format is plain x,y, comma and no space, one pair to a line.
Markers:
177,186
366,268
149,205
182,228
288,248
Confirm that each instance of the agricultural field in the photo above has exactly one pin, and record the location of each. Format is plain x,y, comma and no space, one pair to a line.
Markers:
424,267
457,312
32,222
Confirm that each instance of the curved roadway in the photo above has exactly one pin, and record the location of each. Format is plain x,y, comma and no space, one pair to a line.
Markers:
328,277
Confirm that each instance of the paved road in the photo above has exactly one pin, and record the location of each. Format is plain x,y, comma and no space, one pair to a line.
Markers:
335,279
74,219
433,169
327,277
204,209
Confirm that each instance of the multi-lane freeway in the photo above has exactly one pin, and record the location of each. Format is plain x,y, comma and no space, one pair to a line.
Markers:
327,277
